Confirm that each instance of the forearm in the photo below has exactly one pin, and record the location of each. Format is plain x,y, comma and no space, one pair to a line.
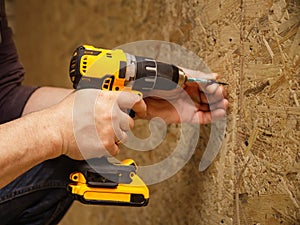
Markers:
45,97
49,133
26,142
30,140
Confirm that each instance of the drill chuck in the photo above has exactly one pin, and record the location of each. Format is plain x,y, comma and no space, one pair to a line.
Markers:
151,74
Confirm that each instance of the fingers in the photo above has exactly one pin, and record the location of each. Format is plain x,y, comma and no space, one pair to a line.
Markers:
121,137
210,113
123,124
208,101
212,88
112,120
100,121
211,103
113,149
211,98
127,100
111,138
223,104
123,120
208,117
140,108
207,76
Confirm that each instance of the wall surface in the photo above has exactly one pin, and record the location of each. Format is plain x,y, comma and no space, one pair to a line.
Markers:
253,44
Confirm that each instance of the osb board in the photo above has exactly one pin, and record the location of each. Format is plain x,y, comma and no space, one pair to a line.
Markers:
253,44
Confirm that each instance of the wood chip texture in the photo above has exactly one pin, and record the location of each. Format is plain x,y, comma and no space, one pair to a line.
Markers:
255,47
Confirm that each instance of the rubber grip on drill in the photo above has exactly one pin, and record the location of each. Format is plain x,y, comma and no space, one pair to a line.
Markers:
131,113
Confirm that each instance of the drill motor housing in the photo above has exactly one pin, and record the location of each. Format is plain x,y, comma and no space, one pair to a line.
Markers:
115,70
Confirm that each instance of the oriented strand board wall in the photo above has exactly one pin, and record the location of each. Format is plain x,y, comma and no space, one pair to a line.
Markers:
253,44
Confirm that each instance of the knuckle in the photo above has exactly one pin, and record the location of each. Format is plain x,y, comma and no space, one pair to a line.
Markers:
108,144
115,151
114,116
108,131
125,137
106,116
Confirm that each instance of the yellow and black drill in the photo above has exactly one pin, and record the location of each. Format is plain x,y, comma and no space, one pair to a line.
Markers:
116,70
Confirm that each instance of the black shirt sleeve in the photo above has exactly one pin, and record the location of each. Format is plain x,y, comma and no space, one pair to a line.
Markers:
13,96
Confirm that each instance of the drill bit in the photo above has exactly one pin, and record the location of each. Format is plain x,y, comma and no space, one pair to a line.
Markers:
205,81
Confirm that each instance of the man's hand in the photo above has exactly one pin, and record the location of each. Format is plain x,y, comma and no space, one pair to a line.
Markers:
194,103
48,132
100,121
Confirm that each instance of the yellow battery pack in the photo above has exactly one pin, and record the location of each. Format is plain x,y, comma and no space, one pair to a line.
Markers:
118,184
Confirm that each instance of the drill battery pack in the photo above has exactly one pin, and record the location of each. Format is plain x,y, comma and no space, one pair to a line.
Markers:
107,183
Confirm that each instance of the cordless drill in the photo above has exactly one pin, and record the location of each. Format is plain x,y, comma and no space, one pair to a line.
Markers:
116,70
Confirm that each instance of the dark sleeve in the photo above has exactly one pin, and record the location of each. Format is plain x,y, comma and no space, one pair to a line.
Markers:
13,96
